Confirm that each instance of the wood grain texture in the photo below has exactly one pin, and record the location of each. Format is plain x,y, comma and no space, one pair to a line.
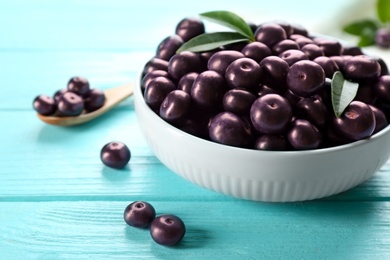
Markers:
58,201
95,229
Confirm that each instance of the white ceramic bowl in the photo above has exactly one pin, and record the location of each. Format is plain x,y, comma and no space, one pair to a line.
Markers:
271,176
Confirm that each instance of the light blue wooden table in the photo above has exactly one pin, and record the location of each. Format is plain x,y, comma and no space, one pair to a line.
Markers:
58,201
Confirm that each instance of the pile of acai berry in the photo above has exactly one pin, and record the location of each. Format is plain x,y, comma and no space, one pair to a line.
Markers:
272,86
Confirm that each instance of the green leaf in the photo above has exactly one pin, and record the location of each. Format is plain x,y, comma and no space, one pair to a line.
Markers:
211,41
359,27
383,10
230,20
343,92
367,39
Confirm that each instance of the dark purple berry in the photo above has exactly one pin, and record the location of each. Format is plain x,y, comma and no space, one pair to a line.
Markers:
57,95
292,56
189,27
286,26
382,37
70,104
253,26
329,65
332,138
205,56
305,78
115,155
156,91
366,92
197,124
208,89
271,143
303,135
167,230
238,101
271,114
257,51
139,214
291,97
175,106
312,51
274,72
312,109
94,100
152,75
183,63
243,73
329,46
221,60
230,129
352,50
382,88
380,119
168,47
384,68
361,67
284,45
44,105
263,90
301,40
340,61
299,29
237,46
79,86
185,83
270,34
356,122
155,64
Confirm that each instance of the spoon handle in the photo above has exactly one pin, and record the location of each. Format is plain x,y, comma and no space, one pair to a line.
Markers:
113,97
116,95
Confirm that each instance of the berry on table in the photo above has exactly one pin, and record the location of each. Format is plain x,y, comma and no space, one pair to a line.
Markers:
167,230
139,214
115,155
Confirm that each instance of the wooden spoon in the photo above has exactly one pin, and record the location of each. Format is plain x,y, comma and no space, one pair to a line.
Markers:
113,97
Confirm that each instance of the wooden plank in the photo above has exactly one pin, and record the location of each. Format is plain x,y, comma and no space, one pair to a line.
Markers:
59,163
44,162
215,230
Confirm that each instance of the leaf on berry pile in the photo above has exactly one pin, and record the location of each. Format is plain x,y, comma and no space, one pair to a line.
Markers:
367,39
343,92
365,29
359,27
383,10
211,41
230,20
